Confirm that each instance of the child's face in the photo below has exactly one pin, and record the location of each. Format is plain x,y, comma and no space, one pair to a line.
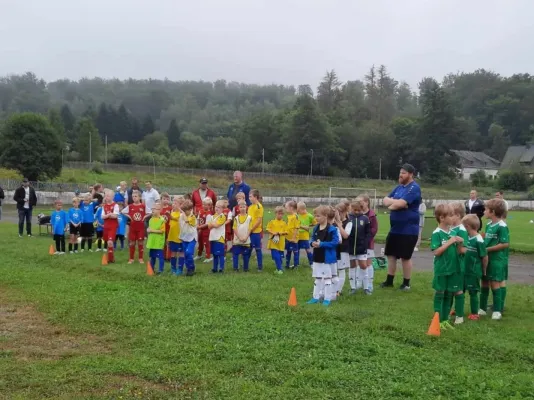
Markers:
487,213
355,210
243,209
301,210
156,211
218,209
365,206
206,206
447,219
279,215
320,218
59,205
87,199
175,205
187,212
166,201
135,198
108,198
289,209
240,197
123,186
456,220
75,204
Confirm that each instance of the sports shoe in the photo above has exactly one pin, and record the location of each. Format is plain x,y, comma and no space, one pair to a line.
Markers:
141,261
61,253
90,250
416,249
82,250
279,272
105,250
196,258
20,236
208,260
458,320
130,261
326,303
97,250
368,292
496,315
57,253
482,313
71,252
445,325
29,235
178,273
312,301
474,317
75,251
386,285
213,271
189,273
404,288
290,267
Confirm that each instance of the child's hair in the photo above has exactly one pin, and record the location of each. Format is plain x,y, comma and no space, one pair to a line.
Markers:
331,213
76,200
256,194
178,198
347,203
108,192
57,201
471,221
165,195
458,209
220,203
365,198
292,204
301,205
497,206
342,208
239,195
187,196
356,204
441,211
122,183
225,203
241,203
322,210
187,206
279,209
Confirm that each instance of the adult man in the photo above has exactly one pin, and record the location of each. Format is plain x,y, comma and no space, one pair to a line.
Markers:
150,196
26,199
404,203
500,195
2,196
198,195
238,186
135,186
475,206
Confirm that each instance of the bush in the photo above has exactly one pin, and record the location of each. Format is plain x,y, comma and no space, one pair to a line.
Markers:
97,168
227,163
513,180
122,152
180,159
479,178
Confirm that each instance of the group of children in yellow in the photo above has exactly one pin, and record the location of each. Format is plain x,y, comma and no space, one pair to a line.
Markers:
466,261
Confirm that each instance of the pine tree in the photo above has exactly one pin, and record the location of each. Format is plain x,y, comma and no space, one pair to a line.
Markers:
148,126
89,143
173,135
68,123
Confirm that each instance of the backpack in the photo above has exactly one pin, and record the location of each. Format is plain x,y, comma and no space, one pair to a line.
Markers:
380,263
2,195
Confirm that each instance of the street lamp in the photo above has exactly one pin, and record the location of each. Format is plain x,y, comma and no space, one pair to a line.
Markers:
311,162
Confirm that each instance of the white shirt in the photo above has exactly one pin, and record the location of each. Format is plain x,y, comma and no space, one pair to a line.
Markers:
506,204
471,202
27,197
115,210
149,198
203,194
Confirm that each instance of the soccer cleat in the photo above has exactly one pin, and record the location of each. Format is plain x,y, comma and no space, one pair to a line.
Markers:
213,271
496,316
221,271
482,313
458,320
61,253
20,236
474,317
178,273
130,261
312,301
452,313
196,258
208,260
404,288
368,292
90,250
29,235
189,273
75,251
326,303
97,250
290,267
105,250
279,272
82,250
71,252
386,285
445,325
57,253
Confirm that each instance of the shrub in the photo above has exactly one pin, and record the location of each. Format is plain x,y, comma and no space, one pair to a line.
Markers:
227,163
513,180
97,168
479,178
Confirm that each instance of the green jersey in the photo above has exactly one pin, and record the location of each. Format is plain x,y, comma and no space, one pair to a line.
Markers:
448,262
156,241
462,232
476,250
497,233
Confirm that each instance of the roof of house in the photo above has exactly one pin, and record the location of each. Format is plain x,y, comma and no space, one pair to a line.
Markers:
476,159
522,155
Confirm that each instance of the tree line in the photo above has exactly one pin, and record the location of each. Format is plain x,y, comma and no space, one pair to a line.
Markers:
360,128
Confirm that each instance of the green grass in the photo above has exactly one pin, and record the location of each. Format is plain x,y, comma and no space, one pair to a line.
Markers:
232,336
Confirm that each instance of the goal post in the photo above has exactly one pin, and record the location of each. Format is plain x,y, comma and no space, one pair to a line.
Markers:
337,194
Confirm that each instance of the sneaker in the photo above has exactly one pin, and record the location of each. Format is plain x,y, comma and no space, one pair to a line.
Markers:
57,253
386,285
312,301
221,271
416,249
208,260
326,303
353,291
189,273
71,252
368,292
97,250
141,261
82,250
130,261
90,250
29,235
279,272
474,317
496,315
213,271
178,273
482,313
452,313
105,250
75,251
196,258
404,288
458,320
20,236
61,253
290,267
445,325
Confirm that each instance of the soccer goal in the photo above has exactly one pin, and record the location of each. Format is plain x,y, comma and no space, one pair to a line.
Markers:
337,194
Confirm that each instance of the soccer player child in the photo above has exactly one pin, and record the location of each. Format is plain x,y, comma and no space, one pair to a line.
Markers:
203,230
373,221
344,226
60,223
156,238
228,234
475,261
256,213
217,237
87,228
188,235
446,262
165,213
457,229
175,243
277,229
238,197
307,222
359,238
136,213
110,212
75,220
292,238
121,195
99,223
324,243
241,243
497,241
333,215
121,227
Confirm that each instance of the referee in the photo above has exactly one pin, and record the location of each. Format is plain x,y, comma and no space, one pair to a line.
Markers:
404,203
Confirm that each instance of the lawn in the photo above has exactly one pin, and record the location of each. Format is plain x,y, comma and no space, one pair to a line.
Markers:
71,328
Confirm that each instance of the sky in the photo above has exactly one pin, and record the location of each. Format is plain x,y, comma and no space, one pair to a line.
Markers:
264,41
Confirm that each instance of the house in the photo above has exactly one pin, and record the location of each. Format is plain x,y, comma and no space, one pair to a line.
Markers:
522,156
473,161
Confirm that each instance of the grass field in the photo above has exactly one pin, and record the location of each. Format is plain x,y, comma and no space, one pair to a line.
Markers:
71,329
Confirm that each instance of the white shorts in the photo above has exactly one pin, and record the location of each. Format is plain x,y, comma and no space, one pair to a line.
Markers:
333,267
359,257
370,253
322,270
344,262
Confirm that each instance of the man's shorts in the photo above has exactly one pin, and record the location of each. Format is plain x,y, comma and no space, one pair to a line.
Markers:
400,246
304,244
292,246
136,234
471,283
175,247
448,283
255,240
358,257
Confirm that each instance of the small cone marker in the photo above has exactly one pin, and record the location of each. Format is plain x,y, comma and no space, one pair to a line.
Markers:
292,302
104,259
149,269
434,329
51,250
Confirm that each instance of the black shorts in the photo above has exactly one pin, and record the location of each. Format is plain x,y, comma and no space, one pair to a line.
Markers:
99,234
87,230
400,246
74,230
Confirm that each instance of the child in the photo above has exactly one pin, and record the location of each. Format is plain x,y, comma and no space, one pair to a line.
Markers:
475,262
333,215
292,238
136,213
99,224
165,213
75,220
256,213
110,212
175,243
121,227
359,239
156,238
238,198
457,229
241,228
121,195
228,226
324,242
188,235
497,241
87,228
277,228
59,222
217,229
203,230
344,226
307,222
446,262
373,221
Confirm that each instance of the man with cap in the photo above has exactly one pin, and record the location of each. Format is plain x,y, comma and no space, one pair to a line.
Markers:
403,202
26,199
198,195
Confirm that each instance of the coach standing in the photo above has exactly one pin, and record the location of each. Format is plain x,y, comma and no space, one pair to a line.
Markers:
403,202
475,206
26,199
238,186
203,192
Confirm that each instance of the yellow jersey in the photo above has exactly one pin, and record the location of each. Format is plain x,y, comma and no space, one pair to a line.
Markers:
217,234
308,221
293,225
256,211
277,227
174,227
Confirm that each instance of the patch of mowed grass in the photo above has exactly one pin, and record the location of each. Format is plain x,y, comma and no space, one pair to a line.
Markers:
233,336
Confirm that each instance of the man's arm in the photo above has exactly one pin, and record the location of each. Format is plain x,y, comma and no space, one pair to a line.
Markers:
397,204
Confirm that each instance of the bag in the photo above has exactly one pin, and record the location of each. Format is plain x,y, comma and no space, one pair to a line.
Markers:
380,263
43,219
2,194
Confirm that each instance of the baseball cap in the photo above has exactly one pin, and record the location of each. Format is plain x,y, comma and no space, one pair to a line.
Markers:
408,168
203,180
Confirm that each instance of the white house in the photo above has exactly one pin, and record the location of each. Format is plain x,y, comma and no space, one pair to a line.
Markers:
473,161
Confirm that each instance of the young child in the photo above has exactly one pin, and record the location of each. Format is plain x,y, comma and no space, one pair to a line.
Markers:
241,243
359,239
60,223
292,238
110,212
175,243
256,213
203,230
446,262
87,228
238,198
75,221
325,239
228,226
166,210
156,238
373,221
121,195
217,227
344,226
188,235
457,229
475,262
333,216
307,222
121,227
99,227
136,213
497,241
277,229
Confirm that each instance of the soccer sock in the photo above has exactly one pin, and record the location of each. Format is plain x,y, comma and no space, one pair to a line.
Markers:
83,244
70,247
446,309
90,243
246,259
181,262
277,258
141,250
459,300
497,300
316,289
473,297
111,255
406,282
358,278
342,275
62,242
352,278
208,250
76,246
99,243
371,275
152,262
222,261
161,258
288,258
132,251
173,264
296,258
365,278
335,283
438,303
389,280
484,294
503,297
122,243
215,264
328,289
259,256
115,244
310,257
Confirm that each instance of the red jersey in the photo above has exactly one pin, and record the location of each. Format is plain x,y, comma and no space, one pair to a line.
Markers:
229,225
112,208
202,215
165,213
137,213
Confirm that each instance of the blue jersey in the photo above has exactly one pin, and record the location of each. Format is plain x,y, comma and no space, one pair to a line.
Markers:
75,216
119,197
121,229
59,222
98,218
406,221
88,212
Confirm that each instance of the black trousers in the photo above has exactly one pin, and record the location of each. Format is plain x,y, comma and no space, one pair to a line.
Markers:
60,243
25,214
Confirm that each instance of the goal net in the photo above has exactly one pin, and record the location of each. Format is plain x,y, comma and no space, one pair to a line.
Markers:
337,194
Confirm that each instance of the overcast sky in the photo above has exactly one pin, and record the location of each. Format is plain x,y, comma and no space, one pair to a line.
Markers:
264,41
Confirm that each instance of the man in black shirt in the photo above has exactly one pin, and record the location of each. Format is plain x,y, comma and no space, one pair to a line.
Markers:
475,206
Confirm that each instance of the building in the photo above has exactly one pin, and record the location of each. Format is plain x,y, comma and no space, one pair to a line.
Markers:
473,161
522,156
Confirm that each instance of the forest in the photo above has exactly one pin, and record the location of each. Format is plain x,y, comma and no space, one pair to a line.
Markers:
358,128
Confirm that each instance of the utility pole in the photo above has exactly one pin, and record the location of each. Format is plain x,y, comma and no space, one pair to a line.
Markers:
380,170
90,148
154,163
263,160
106,149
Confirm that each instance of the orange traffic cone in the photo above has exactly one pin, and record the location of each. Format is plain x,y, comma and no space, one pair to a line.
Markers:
104,259
292,302
149,269
434,329
51,250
